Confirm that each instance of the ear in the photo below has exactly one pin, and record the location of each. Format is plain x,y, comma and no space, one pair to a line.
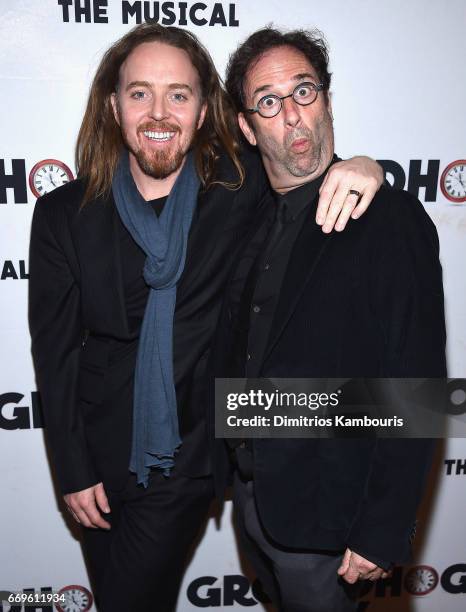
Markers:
246,129
329,106
114,103
202,115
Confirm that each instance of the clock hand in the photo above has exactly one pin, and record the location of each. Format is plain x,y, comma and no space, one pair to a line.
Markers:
51,179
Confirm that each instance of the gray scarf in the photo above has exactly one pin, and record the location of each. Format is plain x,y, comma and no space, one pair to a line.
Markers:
164,240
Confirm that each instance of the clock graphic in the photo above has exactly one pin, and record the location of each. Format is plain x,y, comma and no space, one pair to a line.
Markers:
453,181
421,580
47,175
77,599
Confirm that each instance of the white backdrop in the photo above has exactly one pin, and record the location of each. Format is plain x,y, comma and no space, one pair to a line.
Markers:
399,94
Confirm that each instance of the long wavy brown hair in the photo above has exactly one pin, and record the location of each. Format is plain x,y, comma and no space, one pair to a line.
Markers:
100,142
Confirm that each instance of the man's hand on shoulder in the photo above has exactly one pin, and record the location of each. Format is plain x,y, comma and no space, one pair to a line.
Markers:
84,506
362,175
354,567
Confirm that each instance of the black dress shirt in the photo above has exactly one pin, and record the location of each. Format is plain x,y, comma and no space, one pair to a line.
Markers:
255,287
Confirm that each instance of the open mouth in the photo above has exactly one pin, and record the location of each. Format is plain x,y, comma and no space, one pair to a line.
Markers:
159,136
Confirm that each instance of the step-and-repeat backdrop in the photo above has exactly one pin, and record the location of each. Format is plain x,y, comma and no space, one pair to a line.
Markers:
399,95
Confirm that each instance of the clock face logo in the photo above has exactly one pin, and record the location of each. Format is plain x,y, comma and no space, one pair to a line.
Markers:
421,580
453,181
77,599
47,175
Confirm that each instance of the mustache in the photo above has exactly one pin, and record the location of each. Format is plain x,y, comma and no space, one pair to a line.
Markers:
162,126
296,134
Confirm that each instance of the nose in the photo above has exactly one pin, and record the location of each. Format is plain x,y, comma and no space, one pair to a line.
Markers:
291,111
159,108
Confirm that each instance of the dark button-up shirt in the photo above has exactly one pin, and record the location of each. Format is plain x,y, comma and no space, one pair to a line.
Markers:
271,271
255,287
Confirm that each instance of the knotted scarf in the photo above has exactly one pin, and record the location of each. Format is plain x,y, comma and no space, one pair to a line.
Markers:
163,239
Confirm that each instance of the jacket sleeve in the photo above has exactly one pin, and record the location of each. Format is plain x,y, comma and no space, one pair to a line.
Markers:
56,333
408,301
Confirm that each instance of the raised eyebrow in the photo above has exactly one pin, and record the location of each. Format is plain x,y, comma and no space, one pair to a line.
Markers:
305,75
297,77
261,89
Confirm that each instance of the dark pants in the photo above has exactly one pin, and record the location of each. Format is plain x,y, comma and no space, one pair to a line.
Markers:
296,581
139,563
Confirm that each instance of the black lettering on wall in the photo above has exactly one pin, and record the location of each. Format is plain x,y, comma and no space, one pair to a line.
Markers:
198,6
16,181
392,167
428,180
168,11
93,11
131,9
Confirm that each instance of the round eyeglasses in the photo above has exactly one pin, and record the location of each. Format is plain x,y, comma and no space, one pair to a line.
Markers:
271,104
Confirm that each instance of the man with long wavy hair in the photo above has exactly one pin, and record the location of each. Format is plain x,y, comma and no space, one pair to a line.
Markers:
127,270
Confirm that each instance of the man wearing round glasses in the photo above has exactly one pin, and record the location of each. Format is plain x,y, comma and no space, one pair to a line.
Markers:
290,139
317,515
303,94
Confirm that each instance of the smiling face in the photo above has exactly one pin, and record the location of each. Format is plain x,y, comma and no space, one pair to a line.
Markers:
297,143
159,108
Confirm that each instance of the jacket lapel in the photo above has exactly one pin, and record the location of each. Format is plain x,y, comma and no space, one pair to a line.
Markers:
201,241
304,259
97,242
211,217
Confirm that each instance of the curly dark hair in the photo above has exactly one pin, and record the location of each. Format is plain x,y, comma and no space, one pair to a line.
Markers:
311,43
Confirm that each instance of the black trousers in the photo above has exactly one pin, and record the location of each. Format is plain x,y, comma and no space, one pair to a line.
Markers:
139,563
296,581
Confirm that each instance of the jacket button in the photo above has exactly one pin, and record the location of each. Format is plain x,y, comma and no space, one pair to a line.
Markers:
256,309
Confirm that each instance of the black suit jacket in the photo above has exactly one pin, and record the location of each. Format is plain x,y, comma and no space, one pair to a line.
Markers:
83,351
367,302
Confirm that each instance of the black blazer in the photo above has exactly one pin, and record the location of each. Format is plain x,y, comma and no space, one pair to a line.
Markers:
367,302
83,352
